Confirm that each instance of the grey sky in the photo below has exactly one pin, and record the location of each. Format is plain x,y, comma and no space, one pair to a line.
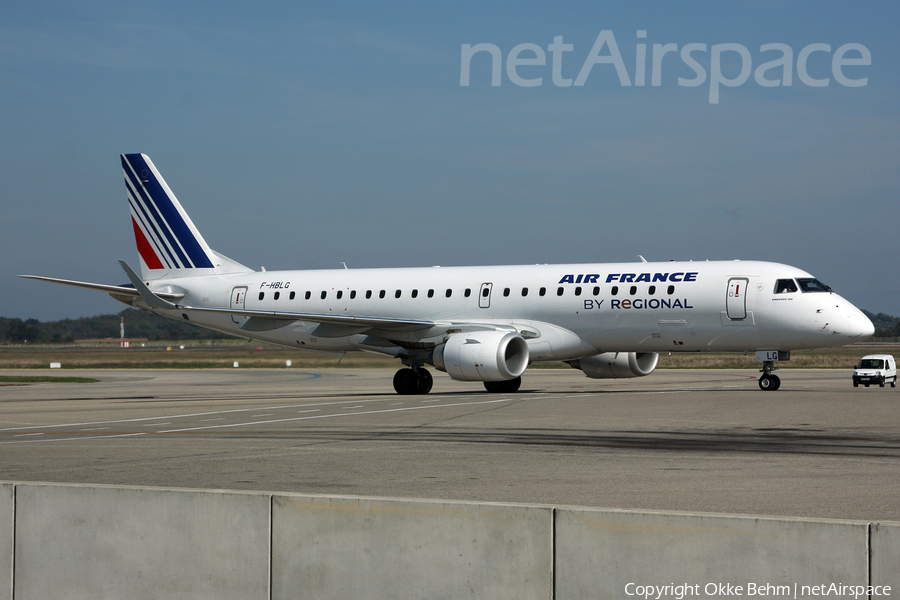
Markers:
298,135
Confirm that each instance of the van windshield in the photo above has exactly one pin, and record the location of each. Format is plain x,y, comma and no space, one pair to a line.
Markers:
808,284
871,363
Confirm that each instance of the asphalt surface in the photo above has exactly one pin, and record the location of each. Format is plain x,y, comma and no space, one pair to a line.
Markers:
684,440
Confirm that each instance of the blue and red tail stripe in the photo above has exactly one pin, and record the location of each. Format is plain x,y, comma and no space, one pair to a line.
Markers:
151,258
164,239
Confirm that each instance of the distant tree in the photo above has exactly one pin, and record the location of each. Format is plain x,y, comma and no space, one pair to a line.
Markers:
886,326
138,324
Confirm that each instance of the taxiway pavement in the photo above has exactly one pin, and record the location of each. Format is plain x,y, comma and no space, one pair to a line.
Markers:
686,440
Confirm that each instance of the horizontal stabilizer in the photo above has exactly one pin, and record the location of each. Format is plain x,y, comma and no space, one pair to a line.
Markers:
118,290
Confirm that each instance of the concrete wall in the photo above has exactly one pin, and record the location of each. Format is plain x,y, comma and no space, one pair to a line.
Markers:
7,514
343,548
76,541
599,552
106,542
886,555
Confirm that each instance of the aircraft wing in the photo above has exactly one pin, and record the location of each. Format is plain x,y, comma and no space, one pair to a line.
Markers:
329,325
261,320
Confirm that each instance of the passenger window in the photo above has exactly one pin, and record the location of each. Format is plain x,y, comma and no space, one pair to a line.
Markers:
615,290
277,295
670,290
324,294
340,294
352,294
414,293
431,293
368,294
524,292
381,294
262,295
652,290
485,292
467,293
785,286
308,295
542,292
505,292
633,290
293,294
596,290
559,291
578,291
397,294
449,293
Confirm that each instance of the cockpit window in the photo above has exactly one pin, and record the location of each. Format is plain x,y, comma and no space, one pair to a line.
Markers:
785,286
808,284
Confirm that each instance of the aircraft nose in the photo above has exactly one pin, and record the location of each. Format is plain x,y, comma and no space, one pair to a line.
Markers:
859,327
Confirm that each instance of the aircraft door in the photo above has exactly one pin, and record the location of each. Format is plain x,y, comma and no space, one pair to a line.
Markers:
238,295
736,302
484,296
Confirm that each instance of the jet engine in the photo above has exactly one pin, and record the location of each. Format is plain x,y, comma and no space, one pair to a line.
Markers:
615,365
482,356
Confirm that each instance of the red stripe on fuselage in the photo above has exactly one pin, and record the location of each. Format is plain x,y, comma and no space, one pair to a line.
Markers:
150,258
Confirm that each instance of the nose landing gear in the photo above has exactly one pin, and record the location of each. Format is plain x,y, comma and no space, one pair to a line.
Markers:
767,381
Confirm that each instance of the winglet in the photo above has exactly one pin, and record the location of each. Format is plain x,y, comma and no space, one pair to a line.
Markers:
146,295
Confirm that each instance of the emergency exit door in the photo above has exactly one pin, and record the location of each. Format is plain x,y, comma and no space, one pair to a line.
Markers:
238,295
736,302
484,296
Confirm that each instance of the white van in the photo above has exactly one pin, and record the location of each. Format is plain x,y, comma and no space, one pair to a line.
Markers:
875,368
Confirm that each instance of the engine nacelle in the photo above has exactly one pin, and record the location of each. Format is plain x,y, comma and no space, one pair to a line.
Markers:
616,365
483,356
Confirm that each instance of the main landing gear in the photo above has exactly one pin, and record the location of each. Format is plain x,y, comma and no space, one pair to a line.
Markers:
503,387
414,380
767,381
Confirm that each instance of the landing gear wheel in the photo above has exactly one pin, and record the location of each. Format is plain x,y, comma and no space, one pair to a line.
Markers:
503,387
769,383
425,381
406,382
412,381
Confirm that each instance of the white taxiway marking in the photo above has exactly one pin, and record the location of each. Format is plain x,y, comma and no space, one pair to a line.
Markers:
368,412
157,421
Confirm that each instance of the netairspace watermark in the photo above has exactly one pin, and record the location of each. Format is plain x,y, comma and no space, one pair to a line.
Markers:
680,591
777,70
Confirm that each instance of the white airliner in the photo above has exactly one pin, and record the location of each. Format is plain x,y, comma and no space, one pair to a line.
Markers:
483,324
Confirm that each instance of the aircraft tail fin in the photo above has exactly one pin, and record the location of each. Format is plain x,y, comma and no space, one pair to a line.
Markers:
168,242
